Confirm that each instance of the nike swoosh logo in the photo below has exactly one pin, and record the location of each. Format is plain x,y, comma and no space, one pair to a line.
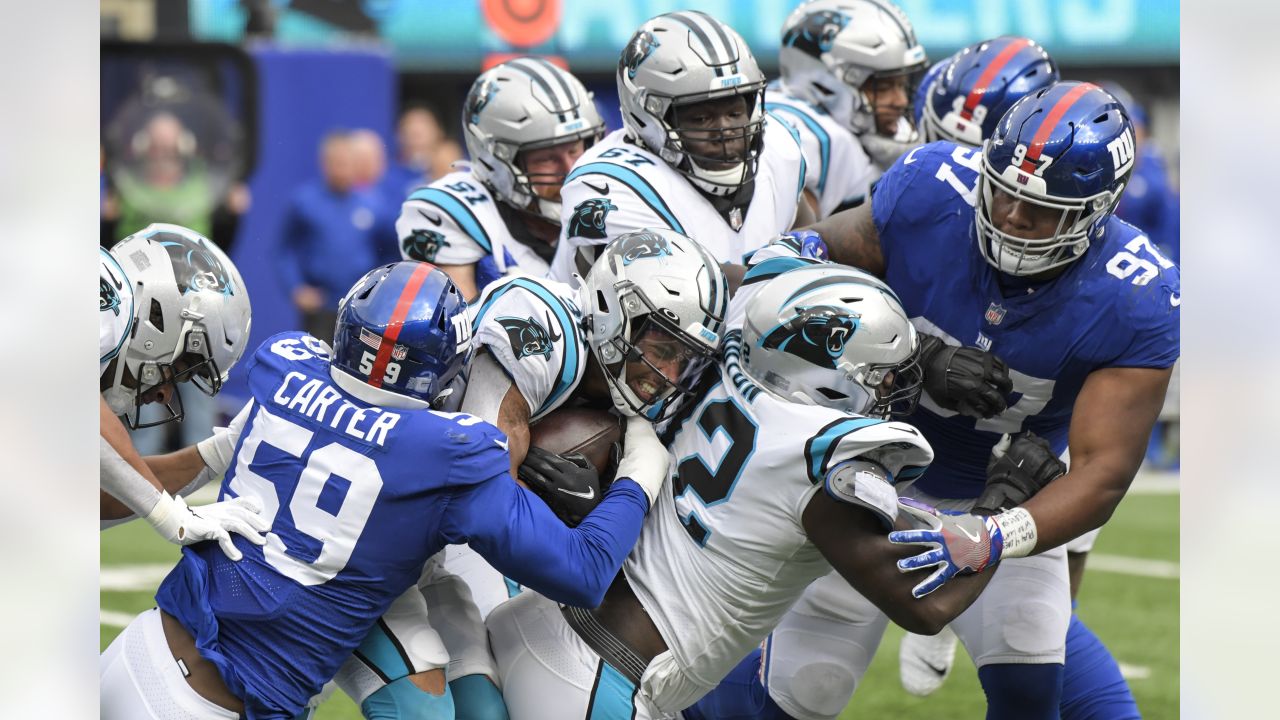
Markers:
590,493
602,190
500,443
434,220
940,670
1175,300
973,537
911,157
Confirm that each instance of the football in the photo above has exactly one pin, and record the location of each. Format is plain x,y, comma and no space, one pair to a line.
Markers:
590,432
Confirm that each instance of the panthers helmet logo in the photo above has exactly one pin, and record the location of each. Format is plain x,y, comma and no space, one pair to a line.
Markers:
424,245
643,244
479,98
194,267
588,218
641,46
528,337
816,34
108,297
816,334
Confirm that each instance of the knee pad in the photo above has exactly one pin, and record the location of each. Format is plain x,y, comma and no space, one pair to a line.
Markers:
402,700
475,697
1022,692
1092,686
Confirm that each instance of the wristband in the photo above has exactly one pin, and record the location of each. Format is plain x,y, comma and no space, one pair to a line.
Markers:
1018,529
166,518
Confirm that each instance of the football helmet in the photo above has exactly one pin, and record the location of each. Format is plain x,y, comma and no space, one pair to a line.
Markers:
979,85
680,59
833,336
192,319
831,48
402,336
525,104
657,298
1069,148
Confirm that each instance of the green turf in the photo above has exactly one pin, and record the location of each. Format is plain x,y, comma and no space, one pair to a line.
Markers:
1136,617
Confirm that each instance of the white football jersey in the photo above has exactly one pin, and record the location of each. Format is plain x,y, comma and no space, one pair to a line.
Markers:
532,326
724,552
618,186
455,221
115,309
837,169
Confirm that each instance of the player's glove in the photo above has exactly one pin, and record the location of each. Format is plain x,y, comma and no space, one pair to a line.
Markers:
569,484
184,525
1020,466
959,544
970,381
811,245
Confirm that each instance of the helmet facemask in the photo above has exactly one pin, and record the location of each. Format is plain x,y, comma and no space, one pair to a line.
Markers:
716,170
191,362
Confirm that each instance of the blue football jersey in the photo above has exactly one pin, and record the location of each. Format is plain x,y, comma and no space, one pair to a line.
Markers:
1117,306
358,498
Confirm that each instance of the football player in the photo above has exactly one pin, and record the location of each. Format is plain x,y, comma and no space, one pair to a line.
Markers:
525,122
634,337
781,470
697,154
1013,249
361,481
846,68
172,309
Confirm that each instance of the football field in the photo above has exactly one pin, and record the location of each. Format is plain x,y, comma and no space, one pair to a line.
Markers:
1129,597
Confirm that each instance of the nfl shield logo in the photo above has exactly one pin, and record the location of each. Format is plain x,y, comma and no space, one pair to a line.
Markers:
995,314
735,219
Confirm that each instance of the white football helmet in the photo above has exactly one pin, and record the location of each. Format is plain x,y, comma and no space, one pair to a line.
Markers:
833,336
683,58
830,48
525,104
659,298
192,318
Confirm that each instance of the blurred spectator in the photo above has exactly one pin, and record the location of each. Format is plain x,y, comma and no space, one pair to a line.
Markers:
418,135
332,234
1151,202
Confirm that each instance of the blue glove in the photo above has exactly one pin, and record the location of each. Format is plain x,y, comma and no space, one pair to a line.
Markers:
959,544
811,244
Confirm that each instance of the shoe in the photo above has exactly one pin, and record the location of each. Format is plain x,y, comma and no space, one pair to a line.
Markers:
924,662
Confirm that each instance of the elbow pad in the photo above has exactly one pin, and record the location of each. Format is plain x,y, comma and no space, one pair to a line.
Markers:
867,484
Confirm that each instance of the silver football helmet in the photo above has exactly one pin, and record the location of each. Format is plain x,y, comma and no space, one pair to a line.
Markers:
655,303
681,59
525,104
833,336
830,48
192,318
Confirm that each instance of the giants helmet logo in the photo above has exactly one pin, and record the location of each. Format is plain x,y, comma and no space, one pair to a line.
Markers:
816,334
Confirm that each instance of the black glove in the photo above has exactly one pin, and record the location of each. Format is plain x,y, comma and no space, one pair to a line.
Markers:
1020,466
970,381
568,484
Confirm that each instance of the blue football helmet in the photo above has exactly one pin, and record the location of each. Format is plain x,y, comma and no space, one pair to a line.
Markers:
979,84
922,90
1068,148
403,329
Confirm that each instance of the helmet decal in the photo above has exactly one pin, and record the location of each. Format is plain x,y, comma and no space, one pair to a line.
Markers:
588,218
479,97
641,46
528,337
643,244
108,297
423,244
816,34
194,267
817,334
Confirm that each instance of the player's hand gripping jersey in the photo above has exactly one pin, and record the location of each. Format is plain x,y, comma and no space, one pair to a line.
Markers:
115,308
837,169
1117,306
455,221
618,187
725,553
359,498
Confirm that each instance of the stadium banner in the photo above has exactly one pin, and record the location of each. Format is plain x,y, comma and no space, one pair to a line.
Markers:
462,35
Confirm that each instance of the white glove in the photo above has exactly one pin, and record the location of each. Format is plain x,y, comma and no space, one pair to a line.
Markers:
644,459
182,525
218,450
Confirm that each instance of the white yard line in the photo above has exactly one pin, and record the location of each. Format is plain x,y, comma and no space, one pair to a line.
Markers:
1134,672
124,578
1141,567
114,618
1155,482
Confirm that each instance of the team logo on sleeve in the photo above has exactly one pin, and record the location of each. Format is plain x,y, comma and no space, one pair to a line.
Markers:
424,244
816,34
641,46
643,244
528,337
194,267
816,334
588,218
108,297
